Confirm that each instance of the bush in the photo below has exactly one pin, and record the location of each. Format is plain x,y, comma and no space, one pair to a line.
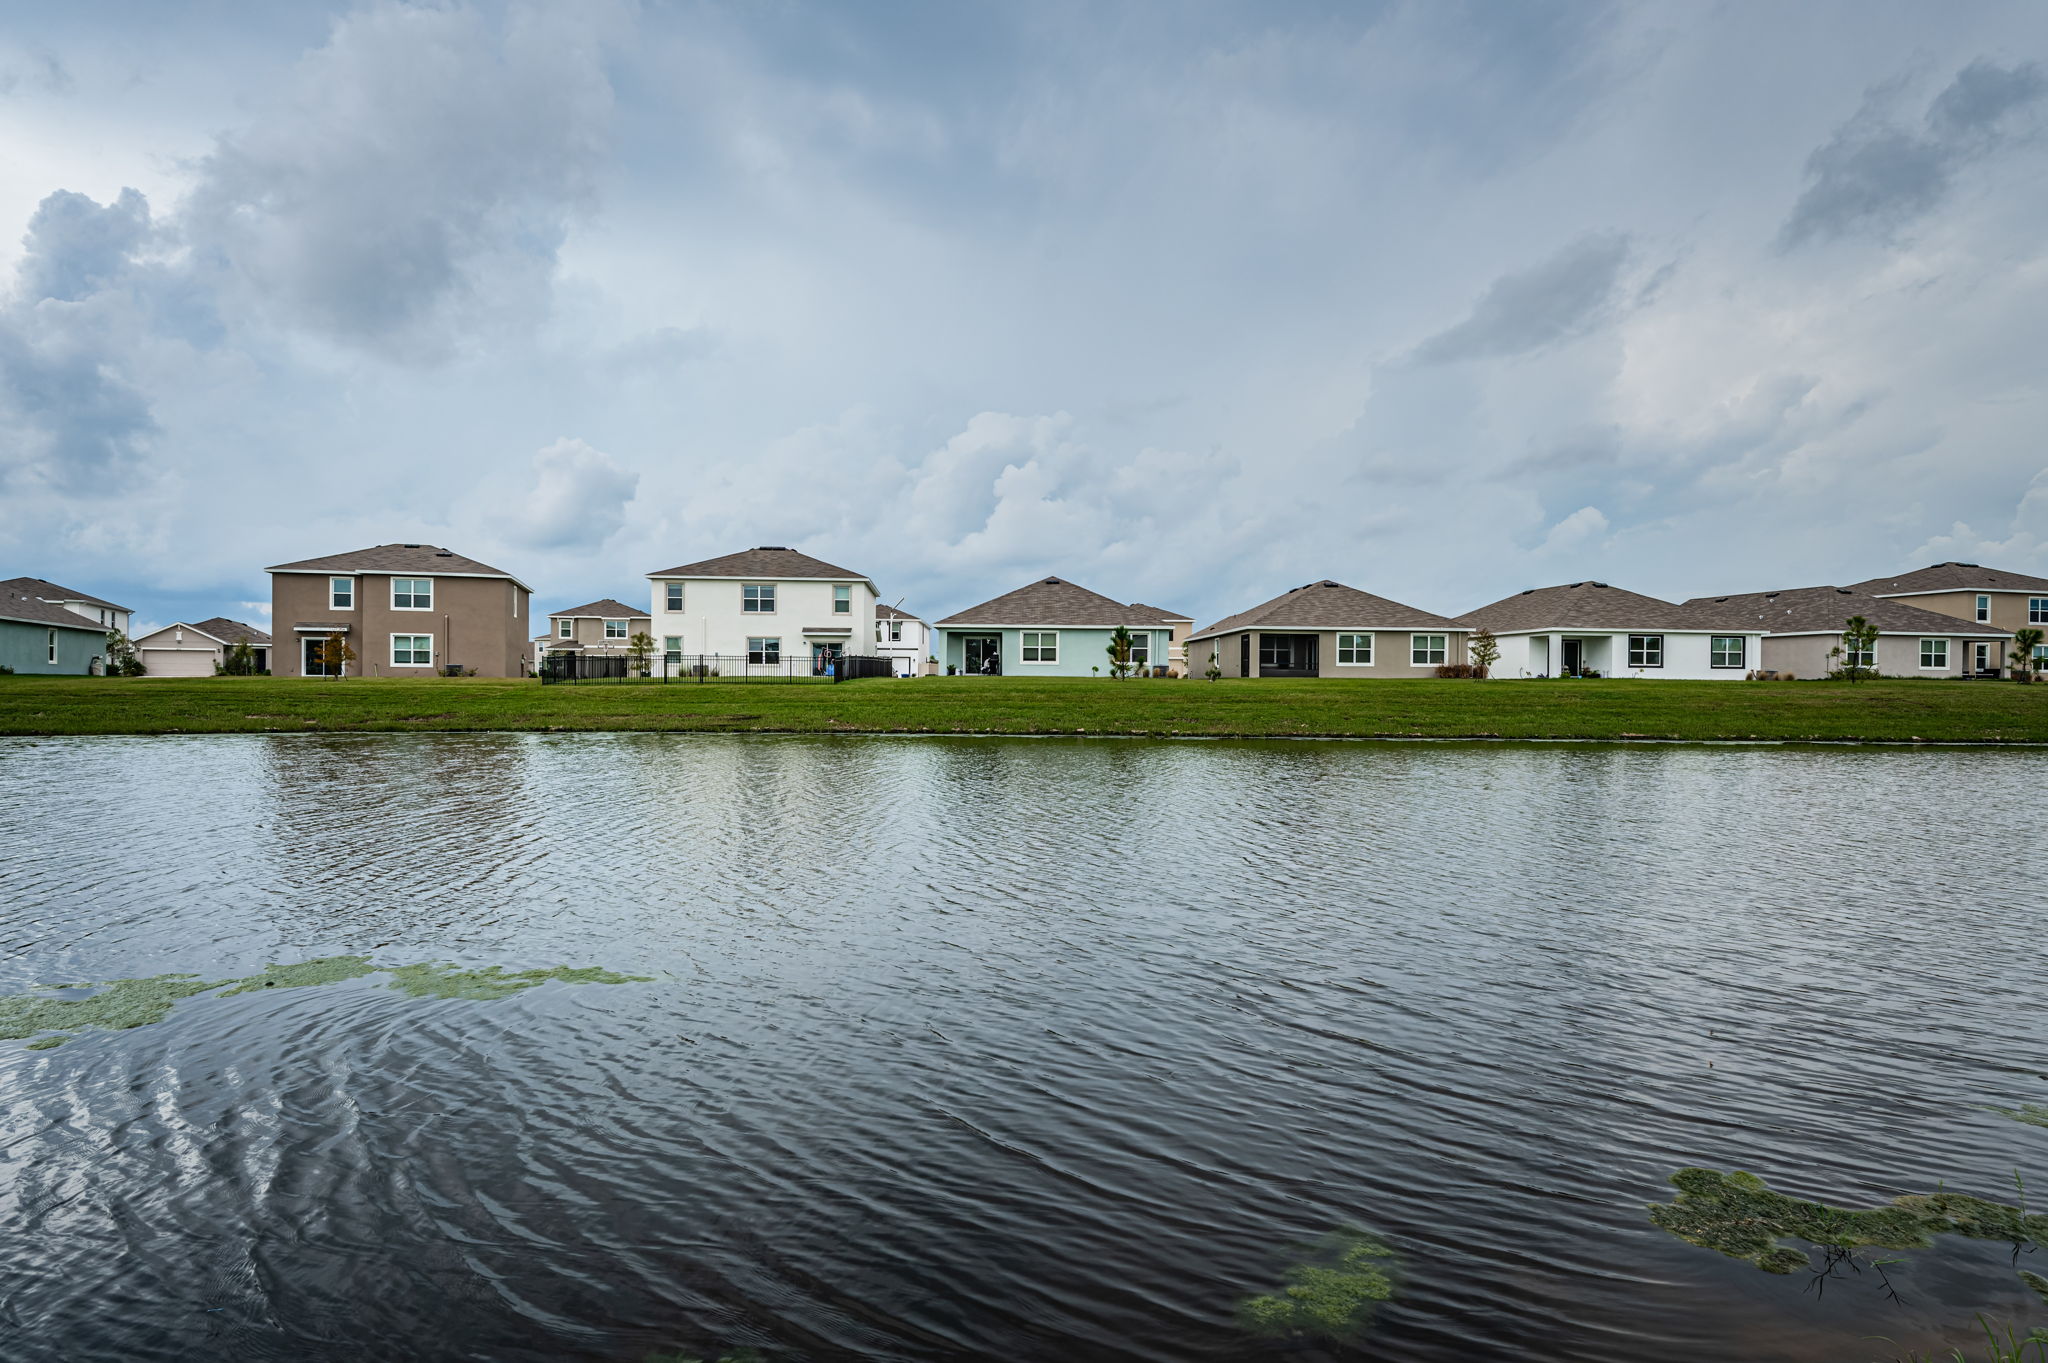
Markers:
1454,669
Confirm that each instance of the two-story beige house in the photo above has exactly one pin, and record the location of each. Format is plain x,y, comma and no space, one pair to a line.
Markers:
606,626
766,608
1990,598
405,610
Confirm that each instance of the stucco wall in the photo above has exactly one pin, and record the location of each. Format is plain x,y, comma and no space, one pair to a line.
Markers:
712,620
1079,650
25,647
1392,651
1898,655
1687,656
478,622
2008,609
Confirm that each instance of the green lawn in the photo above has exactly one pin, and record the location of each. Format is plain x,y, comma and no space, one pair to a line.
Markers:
1980,712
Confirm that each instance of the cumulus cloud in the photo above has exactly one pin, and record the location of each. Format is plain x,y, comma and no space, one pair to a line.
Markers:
1562,297
578,499
1583,527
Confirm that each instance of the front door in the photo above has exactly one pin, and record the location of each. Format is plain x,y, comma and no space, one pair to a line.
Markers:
1569,649
983,654
1984,658
313,665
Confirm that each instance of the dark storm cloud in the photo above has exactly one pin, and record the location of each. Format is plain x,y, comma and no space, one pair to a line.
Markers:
1562,297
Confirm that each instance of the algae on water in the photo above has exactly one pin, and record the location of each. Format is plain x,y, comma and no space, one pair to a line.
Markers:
1333,1293
2033,1114
53,1017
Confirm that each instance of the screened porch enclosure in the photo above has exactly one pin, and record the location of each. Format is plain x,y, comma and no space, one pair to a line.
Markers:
1288,655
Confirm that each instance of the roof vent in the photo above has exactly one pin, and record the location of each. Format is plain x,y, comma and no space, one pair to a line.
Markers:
772,549
1598,584
1845,591
412,546
1327,583
1770,596
1529,592
1051,582
444,553
1969,565
1719,599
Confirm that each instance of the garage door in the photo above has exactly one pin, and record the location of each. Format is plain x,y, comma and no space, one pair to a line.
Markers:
177,662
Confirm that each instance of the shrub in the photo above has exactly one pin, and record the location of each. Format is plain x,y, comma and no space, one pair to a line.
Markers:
1454,669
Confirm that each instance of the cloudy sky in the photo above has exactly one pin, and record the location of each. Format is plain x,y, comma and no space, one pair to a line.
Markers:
1188,302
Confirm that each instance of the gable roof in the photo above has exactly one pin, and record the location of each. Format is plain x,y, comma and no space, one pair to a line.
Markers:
768,561
233,631
1824,610
883,612
33,610
1328,605
1952,577
607,609
1165,616
425,559
49,591
1056,601
1591,605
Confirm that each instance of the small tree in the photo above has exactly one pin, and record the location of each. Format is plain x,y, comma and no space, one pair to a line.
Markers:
122,659
1484,650
1859,641
335,655
2024,642
639,649
1214,671
1119,651
239,661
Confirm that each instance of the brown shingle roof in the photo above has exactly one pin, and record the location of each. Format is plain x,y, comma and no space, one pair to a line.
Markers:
1166,617
15,605
424,559
50,591
233,631
769,561
1824,610
1055,601
606,609
1590,605
1952,577
883,612
1329,605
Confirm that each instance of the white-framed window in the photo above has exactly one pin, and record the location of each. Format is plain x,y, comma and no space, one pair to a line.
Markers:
1983,608
2037,610
2040,656
1040,646
672,647
1646,650
1428,650
565,629
758,598
1934,654
1726,650
341,593
1354,650
412,650
842,600
1865,658
895,631
764,652
412,593
673,596
53,645
615,629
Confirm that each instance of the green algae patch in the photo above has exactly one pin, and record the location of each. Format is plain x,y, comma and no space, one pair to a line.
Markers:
50,1015
431,981
2033,1114
1332,1294
2037,1282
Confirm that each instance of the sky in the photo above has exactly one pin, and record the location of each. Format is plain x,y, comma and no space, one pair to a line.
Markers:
1189,302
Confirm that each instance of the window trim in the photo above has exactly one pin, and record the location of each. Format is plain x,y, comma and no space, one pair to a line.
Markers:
1983,608
672,648
1041,635
2037,610
842,600
770,656
413,596
1413,661
1941,666
335,605
672,598
1634,650
1371,649
1741,651
394,649
751,605
565,629
622,628
52,644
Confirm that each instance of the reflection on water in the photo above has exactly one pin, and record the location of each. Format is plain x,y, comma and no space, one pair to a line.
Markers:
1001,1049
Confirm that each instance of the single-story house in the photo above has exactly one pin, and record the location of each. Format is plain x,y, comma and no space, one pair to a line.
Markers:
1578,628
41,638
1805,623
1991,597
183,650
1054,628
1326,629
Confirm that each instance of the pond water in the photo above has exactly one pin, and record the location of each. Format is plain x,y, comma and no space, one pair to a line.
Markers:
1004,1050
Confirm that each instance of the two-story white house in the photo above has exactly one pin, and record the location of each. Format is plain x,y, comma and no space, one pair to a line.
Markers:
904,640
762,609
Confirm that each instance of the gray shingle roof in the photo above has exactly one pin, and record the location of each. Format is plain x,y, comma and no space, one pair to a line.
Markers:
1953,577
1055,601
233,631
424,559
15,605
606,609
1824,610
1166,617
1593,605
50,591
770,561
1329,605
891,613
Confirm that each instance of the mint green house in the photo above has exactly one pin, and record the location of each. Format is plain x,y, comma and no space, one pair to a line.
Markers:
41,638
1053,628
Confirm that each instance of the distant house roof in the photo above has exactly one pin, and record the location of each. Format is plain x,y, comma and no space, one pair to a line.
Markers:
606,609
1824,610
1952,577
33,610
891,613
425,559
50,591
1055,601
770,561
1169,617
1329,605
1593,605
233,631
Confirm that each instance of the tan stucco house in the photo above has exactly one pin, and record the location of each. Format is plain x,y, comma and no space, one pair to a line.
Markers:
605,626
1805,623
1326,629
187,650
407,610
1971,592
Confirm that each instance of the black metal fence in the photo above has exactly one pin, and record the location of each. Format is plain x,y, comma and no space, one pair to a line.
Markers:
672,668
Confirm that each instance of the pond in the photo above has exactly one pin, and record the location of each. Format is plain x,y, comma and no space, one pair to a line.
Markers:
1002,1049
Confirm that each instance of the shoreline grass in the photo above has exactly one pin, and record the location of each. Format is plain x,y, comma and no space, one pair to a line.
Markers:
1881,711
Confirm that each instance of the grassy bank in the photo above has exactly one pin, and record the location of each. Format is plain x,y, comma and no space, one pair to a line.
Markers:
1902,711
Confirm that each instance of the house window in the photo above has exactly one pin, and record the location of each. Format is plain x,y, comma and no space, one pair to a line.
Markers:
764,652
1934,653
758,599
1727,650
2040,657
1983,609
675,596
1427,650
412,650
1354,650
1865,658
565,629
1646,650
1041,647
412,593
672,647
895,631
1141,649
341,593
842,600
53,645
615,629
2037,610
